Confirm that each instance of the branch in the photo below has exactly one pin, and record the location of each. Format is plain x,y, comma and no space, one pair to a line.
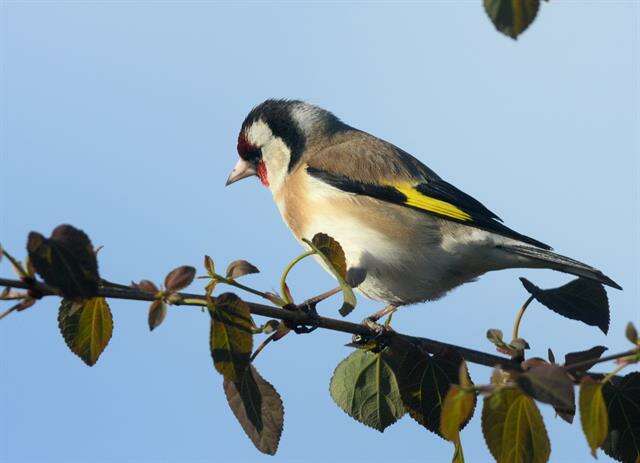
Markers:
294,316
299,317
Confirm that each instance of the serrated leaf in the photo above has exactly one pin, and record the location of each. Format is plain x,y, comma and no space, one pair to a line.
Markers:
549,384
258,408
576,357
65,260
593,414
231,336
88,330
511,17
239,268
457,409
513,428
365,387
157,314
622,398
464,379
179,278
581,299
331,253
424,380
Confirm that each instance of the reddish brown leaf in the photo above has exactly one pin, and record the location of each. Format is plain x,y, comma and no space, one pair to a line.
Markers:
179,278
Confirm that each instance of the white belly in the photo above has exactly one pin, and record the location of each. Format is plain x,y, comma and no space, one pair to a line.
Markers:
408,256
399,271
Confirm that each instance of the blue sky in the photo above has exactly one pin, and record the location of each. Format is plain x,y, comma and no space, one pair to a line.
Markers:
122,117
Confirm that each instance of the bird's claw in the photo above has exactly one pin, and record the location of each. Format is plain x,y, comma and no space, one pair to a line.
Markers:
378,329
305,328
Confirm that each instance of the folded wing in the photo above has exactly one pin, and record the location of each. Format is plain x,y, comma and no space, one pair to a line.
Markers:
362,164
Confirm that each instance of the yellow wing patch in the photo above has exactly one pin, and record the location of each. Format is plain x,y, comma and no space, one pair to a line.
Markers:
437,206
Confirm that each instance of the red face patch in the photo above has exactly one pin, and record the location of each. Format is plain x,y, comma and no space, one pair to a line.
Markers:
262,173
244,146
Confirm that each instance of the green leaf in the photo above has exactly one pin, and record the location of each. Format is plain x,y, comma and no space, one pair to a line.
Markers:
365,387
511,17
331,253
513,428
86,327
457,410
622,398
258,408
593,414
66,260
424,380
231,336
549,384
581,299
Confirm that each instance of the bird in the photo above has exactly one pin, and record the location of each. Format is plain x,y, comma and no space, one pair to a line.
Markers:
409,235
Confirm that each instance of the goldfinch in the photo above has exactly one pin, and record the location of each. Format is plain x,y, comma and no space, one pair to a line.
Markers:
412,235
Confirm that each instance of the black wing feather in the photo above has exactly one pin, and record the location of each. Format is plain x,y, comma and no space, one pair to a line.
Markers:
435,188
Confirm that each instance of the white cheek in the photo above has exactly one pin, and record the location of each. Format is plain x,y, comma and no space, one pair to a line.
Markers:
276,157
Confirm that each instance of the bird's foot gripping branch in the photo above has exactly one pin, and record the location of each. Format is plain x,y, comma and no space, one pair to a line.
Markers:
387,376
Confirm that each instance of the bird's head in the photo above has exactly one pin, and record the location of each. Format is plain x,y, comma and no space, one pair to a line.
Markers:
273,139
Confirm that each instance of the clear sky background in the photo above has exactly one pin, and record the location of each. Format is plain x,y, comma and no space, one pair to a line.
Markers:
122,117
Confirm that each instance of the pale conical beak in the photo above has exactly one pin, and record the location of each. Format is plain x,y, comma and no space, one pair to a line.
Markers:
242,169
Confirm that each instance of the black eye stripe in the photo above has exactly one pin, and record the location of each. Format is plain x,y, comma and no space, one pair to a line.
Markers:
252,155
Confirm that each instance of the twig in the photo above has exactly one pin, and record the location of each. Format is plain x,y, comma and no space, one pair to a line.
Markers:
283,278
516,324
8,311
299,317
262,345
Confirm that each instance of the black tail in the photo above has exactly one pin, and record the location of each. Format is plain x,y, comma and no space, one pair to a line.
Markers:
561,263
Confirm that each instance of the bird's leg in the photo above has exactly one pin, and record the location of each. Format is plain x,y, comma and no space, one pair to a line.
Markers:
371,321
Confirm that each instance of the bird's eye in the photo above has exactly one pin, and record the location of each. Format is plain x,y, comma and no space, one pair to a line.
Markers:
253,155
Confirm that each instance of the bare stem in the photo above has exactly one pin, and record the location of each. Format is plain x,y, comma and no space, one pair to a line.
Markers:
16,265
320,297
516,323
283,279
8,311
234,283
262,345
